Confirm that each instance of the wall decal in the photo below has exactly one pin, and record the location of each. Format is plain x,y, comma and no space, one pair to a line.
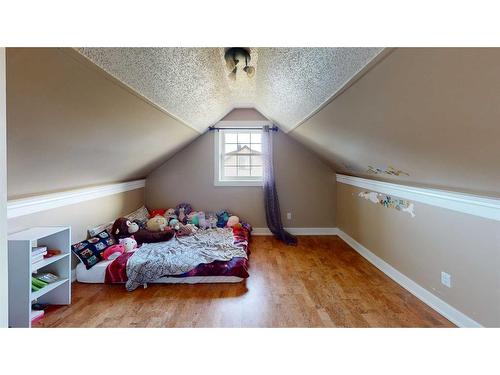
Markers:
389,170
389,202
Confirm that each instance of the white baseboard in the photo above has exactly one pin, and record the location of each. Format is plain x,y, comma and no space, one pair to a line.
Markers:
448,311
299,231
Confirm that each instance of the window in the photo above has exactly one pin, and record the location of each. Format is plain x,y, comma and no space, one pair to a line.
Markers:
238,157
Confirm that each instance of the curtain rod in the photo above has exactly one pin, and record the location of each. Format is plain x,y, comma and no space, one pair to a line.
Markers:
273,128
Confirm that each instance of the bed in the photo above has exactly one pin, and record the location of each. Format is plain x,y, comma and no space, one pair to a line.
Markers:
219,271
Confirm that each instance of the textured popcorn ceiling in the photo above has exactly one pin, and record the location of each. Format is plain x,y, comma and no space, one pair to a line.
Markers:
192,84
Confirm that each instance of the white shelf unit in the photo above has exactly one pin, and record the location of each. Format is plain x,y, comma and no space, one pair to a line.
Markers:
21,269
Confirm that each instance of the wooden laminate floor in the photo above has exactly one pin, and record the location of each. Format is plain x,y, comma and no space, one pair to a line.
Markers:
320,283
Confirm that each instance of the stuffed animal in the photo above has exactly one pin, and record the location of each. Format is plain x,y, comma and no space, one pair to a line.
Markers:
222,218
113,252
211,220
182,215
128,243
202,221
170,214
123,228
174,224
192,218
186,229
232,221
157,224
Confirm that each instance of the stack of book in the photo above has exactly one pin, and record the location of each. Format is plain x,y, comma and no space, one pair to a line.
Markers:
37,253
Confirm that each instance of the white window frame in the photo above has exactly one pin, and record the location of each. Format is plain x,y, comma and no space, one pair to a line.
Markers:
219,179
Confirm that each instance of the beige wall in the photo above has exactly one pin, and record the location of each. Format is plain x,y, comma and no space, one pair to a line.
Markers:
71,125
4,307
305,184
433,112
465,246
81,216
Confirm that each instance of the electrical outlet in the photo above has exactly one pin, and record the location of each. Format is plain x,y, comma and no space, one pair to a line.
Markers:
289,215
446,279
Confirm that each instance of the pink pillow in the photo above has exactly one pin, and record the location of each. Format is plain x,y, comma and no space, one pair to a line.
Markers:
113,252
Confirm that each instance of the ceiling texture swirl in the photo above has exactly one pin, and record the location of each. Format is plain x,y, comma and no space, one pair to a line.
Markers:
192,84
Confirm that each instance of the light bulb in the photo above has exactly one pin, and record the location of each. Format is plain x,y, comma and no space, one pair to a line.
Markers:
250,71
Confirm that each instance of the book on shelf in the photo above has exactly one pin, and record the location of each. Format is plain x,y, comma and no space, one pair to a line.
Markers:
37,258
38,250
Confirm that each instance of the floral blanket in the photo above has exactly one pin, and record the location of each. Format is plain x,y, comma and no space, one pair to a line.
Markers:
213,248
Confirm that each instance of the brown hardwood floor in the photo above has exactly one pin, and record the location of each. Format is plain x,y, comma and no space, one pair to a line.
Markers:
320,283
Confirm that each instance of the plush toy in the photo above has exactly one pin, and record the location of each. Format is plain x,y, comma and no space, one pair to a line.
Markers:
222,218
170,214
202,221
186,229
128,243
123,228
211,220
113,252
174,224
182,210
232,221
192,218
157,224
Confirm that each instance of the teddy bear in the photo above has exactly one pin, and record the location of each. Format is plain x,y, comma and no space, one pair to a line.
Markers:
157,224
128,243
170,214
123,227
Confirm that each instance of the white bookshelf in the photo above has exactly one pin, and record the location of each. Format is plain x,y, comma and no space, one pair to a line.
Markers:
20,270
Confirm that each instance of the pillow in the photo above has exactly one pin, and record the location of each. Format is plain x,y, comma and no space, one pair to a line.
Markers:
141,215
90,251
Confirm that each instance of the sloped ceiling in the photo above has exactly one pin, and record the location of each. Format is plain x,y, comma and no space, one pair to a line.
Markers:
431,113
192,85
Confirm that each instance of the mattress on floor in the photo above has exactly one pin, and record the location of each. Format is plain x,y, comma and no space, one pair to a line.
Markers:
97,275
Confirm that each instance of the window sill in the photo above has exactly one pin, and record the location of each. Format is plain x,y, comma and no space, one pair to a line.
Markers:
238,183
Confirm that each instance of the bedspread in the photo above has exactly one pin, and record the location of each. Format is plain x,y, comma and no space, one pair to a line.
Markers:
180,255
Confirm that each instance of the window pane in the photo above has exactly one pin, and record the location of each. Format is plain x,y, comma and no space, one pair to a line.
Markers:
256,137
244,147
256,171
244,171
256,148
243,160
230,160
230,171
230,138
230,147
256,160
243,137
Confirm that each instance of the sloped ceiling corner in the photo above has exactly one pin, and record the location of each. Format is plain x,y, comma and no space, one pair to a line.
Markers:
70,126
192,83
421,116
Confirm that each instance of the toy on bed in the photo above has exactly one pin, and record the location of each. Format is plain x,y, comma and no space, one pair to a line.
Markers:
157,224
211,221
123,228
113,252
232,221
222,218
186,229
128,243
182,210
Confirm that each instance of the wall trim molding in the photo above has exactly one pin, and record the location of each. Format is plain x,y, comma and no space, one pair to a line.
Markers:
299,231
488,208
443,308
30,205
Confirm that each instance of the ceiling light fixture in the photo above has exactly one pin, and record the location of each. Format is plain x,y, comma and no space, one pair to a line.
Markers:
233,56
